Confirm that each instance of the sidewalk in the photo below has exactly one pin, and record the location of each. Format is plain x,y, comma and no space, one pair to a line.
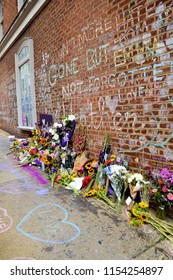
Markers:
44,223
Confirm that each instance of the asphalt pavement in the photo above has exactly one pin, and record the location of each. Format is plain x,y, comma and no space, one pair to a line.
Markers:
41,222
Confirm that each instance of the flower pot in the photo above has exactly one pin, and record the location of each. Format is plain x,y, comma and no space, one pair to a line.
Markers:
161,212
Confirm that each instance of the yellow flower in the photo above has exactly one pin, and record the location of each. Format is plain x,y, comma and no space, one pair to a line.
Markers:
46,161
143,204
113,157
37,131
134,208
129,214
88,165
136,222
90,193
74,175
91,171
97,187
144,217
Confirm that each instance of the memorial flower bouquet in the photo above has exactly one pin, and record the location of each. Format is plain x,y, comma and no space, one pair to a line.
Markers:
117,176
140,214
137,183
61,133
136,179
101,195
162,187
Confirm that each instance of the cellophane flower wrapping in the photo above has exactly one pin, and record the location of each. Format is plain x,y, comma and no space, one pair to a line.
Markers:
116,174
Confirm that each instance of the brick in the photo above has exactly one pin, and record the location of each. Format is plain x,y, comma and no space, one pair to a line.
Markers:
121,79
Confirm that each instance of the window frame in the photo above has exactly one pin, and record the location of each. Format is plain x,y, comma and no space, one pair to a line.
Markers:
20,4
30,57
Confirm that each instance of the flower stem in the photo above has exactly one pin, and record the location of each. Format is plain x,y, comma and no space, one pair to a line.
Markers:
159,226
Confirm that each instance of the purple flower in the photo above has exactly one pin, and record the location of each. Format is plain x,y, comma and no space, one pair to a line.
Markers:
72,130
69,135
64,141
110,190
108,149
101,157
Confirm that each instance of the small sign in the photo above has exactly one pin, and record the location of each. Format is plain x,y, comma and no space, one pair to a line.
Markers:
46,120
128,200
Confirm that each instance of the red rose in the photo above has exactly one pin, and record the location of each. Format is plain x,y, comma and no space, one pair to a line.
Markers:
86,181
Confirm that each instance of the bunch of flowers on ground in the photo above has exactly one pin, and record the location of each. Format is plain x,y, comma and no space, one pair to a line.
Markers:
117,176
162,187
140,214
48,147
106,178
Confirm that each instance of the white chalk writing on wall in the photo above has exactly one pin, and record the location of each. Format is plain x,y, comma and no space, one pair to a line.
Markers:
140,81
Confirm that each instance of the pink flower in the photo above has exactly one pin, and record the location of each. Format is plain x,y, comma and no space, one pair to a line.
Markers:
170,196
164,189
154,190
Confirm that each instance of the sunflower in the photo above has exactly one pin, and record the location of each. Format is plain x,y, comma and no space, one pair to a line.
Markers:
134,211
46,162
88,165
91,171
90,193
143,204
136,222
144,217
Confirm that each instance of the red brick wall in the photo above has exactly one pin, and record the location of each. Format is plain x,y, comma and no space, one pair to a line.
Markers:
109,63
9,12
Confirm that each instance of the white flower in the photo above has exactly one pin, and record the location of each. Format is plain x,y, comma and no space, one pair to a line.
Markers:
52,131
71,117
138,185
130,180
57,125
55,137
136,179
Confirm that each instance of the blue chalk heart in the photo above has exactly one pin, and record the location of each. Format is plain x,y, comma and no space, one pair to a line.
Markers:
48,223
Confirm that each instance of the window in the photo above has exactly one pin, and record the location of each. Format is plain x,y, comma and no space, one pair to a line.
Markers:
20,4
1,21
25,85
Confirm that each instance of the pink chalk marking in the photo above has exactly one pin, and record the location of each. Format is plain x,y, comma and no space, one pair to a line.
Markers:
5,220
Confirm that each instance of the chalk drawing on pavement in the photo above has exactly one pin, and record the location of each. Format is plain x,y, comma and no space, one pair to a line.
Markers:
43,192
19,187
49,223
5,220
